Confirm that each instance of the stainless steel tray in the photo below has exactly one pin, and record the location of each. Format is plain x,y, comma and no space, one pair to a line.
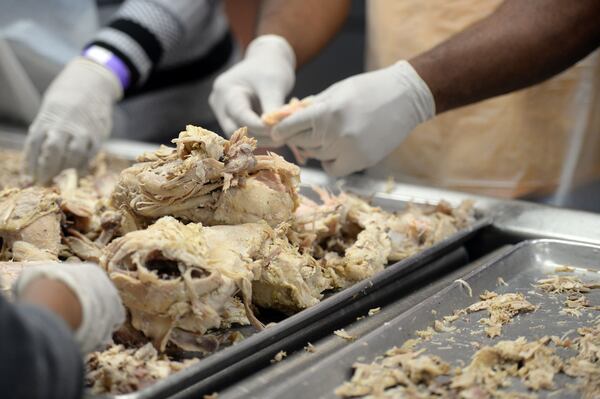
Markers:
520,267
333,308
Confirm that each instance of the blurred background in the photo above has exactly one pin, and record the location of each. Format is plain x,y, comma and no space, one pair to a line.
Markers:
37,40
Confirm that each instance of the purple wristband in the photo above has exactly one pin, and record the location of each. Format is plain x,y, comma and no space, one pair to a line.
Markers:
111,61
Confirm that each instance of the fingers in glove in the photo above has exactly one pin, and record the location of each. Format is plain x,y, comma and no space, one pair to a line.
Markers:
303,120
270,100
331,168
214,100
239,110
33,145
342,166
218,102
300,155
228,126
80,151
51,158
305,140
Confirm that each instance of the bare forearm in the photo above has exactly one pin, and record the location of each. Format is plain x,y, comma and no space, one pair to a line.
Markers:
522,43
307,25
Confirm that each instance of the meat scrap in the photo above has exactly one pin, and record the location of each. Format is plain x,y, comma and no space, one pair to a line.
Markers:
279,357
273,118
501,309
585,366
288,280
410,374
344,335
344,231
40,223
30,216
118,370
565,284
534,362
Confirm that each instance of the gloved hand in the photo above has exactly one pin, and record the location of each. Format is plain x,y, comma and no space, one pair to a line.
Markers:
74,118
102,311
357,122
256,85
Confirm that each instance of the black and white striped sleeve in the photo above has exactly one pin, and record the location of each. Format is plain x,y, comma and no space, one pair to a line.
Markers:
143,31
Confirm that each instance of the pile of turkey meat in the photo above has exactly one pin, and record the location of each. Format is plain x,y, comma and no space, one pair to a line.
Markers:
198,238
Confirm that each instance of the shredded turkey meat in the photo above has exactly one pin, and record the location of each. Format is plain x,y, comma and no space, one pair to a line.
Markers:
273,118
30,218
357,240
167,280
585,366
10,169
198,238
411,374
565,284
501,310
119,370
536,363
207,179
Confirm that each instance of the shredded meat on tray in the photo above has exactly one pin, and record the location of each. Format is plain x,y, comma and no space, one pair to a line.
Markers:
199,238
119,370
407,372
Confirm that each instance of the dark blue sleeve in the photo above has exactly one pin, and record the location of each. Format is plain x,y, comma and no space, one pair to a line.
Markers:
38,356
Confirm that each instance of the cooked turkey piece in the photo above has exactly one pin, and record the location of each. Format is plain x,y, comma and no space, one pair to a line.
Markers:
195,278
167,280
273,118
30,218
207,179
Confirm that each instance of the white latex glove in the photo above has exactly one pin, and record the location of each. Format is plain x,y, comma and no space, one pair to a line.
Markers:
74,118
357,122
256,85
102,310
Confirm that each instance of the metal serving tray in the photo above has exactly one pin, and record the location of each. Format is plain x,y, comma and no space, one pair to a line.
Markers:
333,308
520,267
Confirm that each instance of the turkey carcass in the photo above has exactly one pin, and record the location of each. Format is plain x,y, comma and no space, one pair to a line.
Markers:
207,179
